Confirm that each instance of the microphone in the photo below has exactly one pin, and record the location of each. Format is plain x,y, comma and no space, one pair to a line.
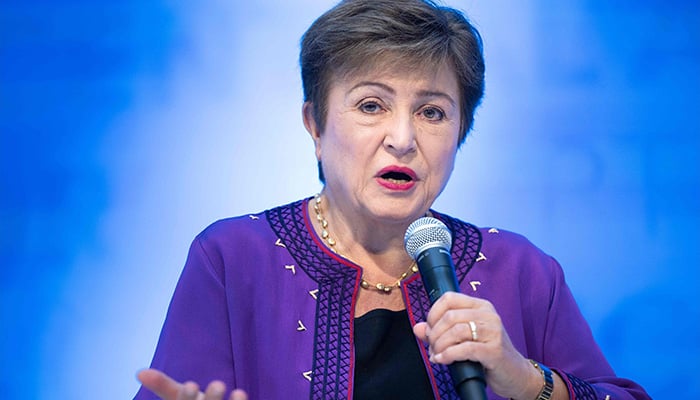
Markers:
428,242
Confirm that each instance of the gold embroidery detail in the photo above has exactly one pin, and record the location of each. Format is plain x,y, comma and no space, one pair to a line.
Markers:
301,326
291,268
279,243
474,284
493,230
307,375
481,257
253,217
313,293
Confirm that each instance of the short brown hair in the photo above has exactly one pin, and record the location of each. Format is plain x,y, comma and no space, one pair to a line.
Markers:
406,32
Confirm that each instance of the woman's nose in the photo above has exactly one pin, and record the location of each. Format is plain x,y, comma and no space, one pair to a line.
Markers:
400,136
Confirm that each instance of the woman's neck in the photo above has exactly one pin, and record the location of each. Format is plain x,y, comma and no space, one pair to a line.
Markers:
366,241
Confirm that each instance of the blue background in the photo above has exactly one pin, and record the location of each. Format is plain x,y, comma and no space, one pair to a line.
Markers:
129,126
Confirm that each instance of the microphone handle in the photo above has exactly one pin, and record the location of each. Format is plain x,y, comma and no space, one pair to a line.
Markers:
438,274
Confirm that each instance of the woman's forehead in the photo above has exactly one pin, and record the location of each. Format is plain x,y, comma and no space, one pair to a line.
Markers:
392,70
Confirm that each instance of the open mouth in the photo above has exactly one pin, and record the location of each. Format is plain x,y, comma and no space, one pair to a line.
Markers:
396,177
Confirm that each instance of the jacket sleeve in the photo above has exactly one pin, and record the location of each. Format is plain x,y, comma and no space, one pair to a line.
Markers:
570,349
195,342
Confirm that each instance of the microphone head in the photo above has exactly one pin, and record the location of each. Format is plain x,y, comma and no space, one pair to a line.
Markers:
425,233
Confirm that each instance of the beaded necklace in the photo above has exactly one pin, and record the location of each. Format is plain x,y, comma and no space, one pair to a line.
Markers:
365,284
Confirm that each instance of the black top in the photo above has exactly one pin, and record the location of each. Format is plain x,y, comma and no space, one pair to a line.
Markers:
388,364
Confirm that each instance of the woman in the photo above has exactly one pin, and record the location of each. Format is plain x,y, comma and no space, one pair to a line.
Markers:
319,298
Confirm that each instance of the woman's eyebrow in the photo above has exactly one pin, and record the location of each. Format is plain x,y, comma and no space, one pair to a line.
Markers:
373,83
437,93
421,93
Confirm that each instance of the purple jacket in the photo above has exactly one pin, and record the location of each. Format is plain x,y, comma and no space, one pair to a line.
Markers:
264,306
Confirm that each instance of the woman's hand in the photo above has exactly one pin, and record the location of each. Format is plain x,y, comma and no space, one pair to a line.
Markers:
168,389
448,331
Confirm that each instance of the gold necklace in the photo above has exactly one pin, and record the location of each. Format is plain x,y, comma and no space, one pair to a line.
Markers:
365,284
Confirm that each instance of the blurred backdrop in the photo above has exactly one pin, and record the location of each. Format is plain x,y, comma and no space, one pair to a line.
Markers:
127,127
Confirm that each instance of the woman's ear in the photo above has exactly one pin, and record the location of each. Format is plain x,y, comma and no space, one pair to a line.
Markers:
311,126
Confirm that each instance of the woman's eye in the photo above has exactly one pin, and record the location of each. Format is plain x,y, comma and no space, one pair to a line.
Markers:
370,107
433,114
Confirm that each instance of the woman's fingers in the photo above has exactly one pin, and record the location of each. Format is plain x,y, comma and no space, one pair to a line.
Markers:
238,394
188,391
421,331
470,331
159,383
215,391
461,327
457,352
169,389
452,301
454,320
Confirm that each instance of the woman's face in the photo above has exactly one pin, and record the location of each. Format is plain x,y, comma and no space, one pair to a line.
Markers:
389,142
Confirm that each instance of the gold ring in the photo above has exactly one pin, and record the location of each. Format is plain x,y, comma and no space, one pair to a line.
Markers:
472,325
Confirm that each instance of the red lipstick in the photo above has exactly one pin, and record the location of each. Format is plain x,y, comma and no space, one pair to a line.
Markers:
394,177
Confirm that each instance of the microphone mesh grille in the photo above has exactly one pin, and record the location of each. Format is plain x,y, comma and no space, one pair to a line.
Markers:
425,233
